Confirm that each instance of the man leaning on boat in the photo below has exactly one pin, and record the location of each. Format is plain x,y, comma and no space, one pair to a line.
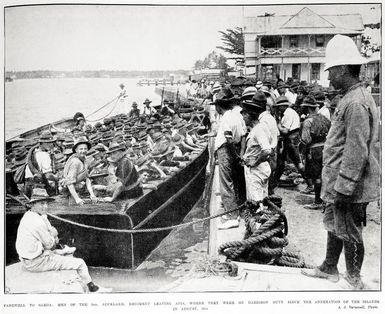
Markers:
36,242
75,173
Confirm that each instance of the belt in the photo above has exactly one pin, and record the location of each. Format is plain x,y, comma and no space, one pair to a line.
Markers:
292,131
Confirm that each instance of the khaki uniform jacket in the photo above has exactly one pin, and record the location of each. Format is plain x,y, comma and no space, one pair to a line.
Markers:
351,152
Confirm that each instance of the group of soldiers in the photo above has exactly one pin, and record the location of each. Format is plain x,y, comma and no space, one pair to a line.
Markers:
330,136
112,159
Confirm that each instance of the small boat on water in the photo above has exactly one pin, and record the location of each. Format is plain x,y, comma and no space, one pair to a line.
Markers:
100,231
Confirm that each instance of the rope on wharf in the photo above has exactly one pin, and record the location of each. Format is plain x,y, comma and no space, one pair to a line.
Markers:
131,231
265,237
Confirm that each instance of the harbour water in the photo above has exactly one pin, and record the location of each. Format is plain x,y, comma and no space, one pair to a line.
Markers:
31,103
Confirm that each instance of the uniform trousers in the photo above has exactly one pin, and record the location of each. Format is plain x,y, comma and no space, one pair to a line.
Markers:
227,179
48,260
257,179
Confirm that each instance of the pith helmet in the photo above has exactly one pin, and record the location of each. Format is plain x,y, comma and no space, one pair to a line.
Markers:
341,50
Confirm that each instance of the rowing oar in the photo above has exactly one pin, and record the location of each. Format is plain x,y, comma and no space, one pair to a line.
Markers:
20,202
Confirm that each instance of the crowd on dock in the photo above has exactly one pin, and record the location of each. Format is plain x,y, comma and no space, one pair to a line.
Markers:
331,136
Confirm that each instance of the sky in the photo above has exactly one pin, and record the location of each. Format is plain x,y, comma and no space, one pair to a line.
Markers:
126,37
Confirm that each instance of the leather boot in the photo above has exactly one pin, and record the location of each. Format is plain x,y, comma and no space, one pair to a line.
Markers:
334,247
328,269
354,258
317,192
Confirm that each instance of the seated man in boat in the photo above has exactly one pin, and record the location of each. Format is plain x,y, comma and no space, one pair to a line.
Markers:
166,109
127,185
39,167
36,241
76,174
147,110
134,112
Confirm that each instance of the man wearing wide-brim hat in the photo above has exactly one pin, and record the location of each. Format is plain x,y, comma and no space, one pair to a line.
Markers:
75,174
313,135
351,167
228,149
36,241
134,112
39,165
282,90
148,111
289,128
128,185
258,149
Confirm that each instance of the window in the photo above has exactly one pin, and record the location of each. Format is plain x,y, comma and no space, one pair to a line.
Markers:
296,71
315,71
271,42
293,41
319,40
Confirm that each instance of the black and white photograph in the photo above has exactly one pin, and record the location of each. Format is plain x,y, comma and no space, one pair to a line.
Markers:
181,156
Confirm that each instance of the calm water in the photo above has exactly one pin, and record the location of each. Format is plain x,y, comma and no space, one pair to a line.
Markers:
31,103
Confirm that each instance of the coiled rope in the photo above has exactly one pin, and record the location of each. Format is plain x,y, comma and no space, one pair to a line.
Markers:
265,238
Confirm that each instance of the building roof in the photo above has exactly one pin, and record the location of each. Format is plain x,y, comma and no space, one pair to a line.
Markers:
305,21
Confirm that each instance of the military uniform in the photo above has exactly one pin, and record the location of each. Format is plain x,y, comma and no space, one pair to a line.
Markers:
313,135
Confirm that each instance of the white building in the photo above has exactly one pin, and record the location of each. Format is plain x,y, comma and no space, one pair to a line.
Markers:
294,45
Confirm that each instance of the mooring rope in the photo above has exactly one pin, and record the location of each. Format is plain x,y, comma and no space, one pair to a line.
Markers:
116,98
113,108
241,207
265,238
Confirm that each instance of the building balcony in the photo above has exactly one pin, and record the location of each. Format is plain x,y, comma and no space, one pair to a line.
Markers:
292,52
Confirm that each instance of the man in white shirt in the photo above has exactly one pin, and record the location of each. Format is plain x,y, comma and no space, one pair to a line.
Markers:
36,240
265,118
147,110
230,131
289,127
282,90
258,148
124,107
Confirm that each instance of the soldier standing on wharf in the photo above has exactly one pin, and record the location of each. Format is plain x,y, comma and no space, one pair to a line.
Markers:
289,127
231,129
258,150
351,170
313,135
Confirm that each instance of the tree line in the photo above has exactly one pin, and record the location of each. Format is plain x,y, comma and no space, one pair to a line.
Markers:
92,74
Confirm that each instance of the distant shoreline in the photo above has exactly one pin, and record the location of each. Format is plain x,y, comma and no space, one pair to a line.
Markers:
95,74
